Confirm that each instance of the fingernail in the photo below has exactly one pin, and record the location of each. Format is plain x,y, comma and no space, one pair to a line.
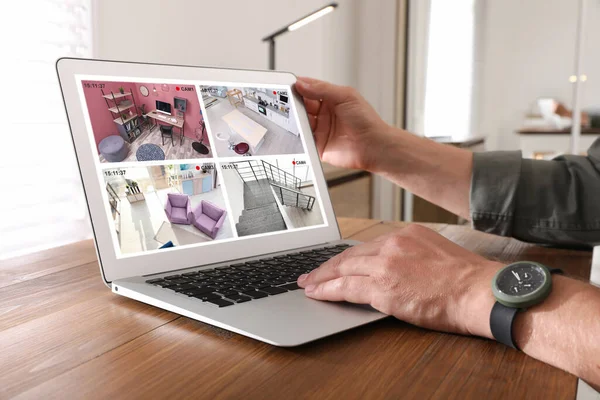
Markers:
309,289
302,277
303,84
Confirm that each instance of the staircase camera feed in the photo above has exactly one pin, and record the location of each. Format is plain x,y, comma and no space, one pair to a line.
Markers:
271,195
249,121
137,121
166,206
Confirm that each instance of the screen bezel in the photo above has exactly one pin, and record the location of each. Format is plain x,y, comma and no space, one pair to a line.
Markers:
112,268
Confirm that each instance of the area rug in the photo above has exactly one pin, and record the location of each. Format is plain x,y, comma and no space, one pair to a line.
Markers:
178,235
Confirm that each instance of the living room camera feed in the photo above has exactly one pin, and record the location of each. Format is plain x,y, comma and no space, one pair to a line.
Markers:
166,206
271,195
248,121
136,121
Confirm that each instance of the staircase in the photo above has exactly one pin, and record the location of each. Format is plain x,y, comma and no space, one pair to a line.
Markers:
260,214
285,185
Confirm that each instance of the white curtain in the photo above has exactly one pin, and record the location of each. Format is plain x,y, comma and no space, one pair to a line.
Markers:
41,202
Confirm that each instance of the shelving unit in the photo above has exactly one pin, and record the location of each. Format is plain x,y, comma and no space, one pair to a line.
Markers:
128,125
123,121
113,96
118,109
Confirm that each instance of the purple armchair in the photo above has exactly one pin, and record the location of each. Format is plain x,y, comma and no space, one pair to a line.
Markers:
179,208
208,218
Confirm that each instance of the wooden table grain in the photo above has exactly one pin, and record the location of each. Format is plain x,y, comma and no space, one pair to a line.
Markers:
63,334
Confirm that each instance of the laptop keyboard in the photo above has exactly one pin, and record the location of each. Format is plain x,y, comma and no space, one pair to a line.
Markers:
242,282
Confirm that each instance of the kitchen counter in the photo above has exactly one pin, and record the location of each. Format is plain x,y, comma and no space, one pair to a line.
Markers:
196,176
199,183
274,109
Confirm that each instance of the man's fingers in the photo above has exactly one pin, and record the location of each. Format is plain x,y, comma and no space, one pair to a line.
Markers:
362,249
337,267
354,289
308,79
312,119
312,106
313,89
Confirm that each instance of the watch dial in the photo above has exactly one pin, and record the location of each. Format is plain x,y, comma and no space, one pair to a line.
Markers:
521,279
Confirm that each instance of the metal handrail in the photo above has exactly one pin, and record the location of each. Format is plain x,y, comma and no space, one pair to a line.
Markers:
287,183
287,177
272,173
297,196
114,197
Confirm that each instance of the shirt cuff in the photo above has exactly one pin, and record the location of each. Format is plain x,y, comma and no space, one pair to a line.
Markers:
494,187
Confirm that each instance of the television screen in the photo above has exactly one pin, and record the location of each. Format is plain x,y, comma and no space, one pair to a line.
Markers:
180,104
164,107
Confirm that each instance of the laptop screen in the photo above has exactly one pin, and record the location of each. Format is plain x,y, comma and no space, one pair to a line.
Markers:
187,165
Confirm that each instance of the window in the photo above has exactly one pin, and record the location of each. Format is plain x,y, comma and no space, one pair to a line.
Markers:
42,203
449,77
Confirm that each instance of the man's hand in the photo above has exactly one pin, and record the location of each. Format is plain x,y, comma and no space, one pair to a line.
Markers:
348,131
414,274
422,278
350,134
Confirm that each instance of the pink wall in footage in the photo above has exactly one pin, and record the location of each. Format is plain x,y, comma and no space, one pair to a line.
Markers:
102,119
192,115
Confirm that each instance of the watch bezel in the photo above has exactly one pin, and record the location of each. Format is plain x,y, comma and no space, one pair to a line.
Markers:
529,299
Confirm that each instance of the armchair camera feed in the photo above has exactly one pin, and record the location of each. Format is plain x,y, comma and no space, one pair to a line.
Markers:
137,121
165,206
251,121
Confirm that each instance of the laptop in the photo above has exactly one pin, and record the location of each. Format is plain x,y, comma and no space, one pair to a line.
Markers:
206,194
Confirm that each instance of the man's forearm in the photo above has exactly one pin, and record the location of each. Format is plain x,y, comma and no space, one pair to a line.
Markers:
563,331
438,173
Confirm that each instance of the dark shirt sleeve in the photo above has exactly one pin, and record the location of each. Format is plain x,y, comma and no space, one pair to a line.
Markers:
554,202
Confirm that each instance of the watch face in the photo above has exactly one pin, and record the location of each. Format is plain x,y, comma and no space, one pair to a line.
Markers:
521,279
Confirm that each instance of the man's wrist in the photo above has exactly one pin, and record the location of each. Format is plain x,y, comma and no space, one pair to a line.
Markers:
387,151
436,172
479,301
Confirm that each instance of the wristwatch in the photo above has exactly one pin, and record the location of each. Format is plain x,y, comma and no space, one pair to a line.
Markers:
517,287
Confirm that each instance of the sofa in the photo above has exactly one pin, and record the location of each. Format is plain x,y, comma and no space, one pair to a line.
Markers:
178,208
208,218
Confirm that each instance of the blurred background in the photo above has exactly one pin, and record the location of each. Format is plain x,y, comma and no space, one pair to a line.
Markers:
479,74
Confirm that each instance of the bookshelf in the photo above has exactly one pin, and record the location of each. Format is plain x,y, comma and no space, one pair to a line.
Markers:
123,107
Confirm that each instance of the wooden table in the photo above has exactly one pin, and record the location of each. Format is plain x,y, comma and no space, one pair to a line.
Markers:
65,335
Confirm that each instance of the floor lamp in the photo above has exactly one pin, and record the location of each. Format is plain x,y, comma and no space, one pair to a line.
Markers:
293,26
